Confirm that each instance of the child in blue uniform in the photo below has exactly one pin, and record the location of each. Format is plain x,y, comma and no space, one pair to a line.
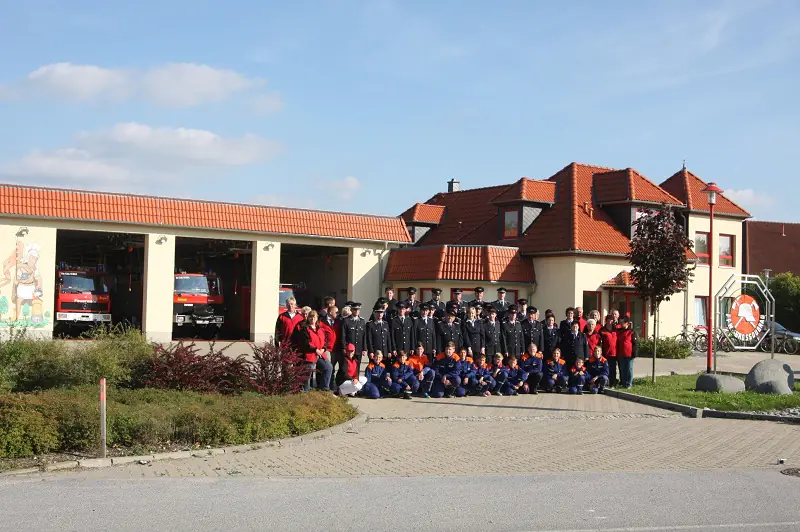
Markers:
402,380
482,381
423,371
516,377
598,371
577,377
532,363
448,375
376,385
499,373
467,372
554,378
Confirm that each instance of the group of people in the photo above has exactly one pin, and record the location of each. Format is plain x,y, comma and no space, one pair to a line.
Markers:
456,348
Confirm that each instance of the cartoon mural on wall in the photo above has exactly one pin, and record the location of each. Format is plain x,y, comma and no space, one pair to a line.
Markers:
21,288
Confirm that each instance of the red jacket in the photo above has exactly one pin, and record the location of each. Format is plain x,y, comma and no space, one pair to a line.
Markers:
316,340
609,339
583,323
592,339
626,343
351,368
332,333
285,326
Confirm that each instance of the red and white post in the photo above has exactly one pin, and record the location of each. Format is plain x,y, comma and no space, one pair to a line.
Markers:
103,417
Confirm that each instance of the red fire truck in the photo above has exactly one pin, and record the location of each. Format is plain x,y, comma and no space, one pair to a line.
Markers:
198,302
83,298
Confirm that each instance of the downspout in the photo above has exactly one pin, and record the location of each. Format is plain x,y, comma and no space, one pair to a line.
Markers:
686,289
380,267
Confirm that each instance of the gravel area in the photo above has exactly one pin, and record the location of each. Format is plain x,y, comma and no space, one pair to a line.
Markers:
788,412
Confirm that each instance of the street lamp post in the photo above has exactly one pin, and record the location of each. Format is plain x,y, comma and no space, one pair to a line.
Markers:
711,190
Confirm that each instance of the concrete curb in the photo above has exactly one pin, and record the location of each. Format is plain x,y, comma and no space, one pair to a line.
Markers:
353,425
689,411
755,417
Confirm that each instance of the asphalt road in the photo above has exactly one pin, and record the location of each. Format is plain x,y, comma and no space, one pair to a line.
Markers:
759,501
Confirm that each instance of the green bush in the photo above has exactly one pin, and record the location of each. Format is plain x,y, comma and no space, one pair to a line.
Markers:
149,418
120,354
667,348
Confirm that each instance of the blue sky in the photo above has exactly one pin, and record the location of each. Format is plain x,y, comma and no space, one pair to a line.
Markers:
371,106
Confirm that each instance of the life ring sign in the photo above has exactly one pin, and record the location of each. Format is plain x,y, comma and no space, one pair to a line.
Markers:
745,320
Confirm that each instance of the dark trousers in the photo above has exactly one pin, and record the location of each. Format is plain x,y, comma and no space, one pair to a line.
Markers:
534,379
612,371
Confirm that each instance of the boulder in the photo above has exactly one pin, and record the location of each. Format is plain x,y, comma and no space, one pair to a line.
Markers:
709,382
774,387
769,370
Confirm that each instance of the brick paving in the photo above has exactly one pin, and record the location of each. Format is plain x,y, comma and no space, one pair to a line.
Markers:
474,436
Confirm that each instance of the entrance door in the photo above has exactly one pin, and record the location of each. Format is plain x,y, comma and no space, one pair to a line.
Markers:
632,305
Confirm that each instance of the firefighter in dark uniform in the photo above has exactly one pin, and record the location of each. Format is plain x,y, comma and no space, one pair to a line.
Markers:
479,291
458,304
383,303
473,331
491,334
449,331
532,330
437,305
511,339
390,309
402,330
522,309
425,331
501,304
354,329
412,303
377,335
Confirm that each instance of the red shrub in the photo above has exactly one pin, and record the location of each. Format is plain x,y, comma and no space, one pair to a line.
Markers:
181,367
277,370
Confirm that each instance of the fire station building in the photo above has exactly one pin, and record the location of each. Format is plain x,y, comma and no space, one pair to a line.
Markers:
137,243
561,242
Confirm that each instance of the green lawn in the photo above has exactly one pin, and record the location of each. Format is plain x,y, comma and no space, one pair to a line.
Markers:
680,389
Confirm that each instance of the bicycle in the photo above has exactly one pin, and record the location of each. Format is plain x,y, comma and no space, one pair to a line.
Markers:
721,342
687,337
786,344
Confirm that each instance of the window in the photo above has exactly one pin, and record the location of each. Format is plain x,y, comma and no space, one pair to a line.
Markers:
425,294
510,224
727,249
700,308
591,301
402,294
701,247
468,294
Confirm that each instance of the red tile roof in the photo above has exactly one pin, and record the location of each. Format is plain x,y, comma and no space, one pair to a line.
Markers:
424,213
688,188
23,201
529,190
773,245
458,263
622,186
621,280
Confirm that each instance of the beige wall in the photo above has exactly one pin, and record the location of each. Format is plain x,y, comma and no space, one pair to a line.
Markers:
27,277
364,274
265,283
556,284
159,284
524,290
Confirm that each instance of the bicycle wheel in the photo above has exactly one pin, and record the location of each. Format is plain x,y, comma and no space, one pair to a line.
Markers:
683,340
701,343
765,345
790,346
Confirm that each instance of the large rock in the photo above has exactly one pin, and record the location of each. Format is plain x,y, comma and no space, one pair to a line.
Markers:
708,382
775,387
769,370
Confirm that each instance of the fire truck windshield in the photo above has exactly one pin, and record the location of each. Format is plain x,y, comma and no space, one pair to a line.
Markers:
191,284
81,284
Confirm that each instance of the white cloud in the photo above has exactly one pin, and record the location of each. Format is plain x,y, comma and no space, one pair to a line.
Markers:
131,155
169,85
345,188
750,199
268,103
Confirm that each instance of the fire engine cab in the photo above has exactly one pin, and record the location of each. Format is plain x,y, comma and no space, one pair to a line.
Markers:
83,297
197,301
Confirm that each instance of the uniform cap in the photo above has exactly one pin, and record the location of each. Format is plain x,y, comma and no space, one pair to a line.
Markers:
479,290
456,291
412,290
512,309
355,305
378,307
501,290
401,304
452,311
522,301
436,291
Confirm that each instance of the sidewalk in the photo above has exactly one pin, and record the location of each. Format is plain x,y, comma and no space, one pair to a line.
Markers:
736,362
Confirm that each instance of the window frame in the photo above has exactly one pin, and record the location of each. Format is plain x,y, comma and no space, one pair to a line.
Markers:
402,294
599,301
503,212
732,256
422,291
703,259
705,311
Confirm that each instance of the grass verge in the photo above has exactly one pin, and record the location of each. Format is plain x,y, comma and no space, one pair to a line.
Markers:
67,420
680,389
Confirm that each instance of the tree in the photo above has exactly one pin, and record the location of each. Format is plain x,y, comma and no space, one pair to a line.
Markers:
658,256
785,288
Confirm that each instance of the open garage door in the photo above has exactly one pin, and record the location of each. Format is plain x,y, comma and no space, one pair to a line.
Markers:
313,272
98,280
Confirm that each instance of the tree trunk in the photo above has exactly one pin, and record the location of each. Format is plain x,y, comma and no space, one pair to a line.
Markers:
655,341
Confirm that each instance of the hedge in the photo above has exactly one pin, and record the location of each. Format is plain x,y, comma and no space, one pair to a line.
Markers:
67,420
667,348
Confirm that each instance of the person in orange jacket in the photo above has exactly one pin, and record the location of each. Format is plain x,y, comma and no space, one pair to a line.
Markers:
576,378
423,370
597,368
499,373
482,382
532,362
554,378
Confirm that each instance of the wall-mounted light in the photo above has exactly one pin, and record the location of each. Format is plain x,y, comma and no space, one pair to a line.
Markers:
366,252
269,246
22,232
161,239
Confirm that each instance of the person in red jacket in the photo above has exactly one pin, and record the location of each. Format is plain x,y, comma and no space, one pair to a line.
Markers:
608,341
627,347
592,334
332,326
348,372
287,323
313,346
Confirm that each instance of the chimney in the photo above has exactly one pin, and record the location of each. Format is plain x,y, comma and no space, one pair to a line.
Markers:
453,185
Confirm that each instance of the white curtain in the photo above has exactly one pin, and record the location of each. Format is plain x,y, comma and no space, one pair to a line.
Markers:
700,311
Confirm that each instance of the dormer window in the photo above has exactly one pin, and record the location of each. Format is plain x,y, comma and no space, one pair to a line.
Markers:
511,223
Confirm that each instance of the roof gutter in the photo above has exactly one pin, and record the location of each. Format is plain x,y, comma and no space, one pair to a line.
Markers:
221,229
571,252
